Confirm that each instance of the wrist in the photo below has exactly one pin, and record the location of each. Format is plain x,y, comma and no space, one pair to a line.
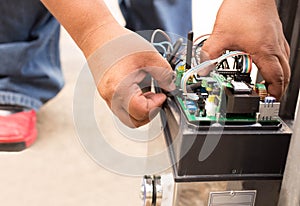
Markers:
253,10
254,4
100,35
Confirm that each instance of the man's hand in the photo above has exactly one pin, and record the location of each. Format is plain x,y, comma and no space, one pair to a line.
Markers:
119,59
119,66
119,87
253,26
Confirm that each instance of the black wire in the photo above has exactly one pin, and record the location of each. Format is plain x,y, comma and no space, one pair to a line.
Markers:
176,48
199,45
238,62
223,64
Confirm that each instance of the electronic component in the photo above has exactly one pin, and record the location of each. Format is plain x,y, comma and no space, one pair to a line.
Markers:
191,107
240,103
269,109
221,127
261,90
180,68
225,93
210,106
240,88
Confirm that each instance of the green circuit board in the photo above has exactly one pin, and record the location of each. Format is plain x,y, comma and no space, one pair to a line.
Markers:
218,102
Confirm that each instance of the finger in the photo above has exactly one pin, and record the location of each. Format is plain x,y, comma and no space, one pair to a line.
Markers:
138,114
141,105
129,121
286,65
287,48
271,70
145,84
286,70
164,76
157,67
284,50
284,61
130,104
152,114
213,47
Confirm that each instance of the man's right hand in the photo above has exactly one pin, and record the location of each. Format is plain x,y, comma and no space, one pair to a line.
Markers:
253,26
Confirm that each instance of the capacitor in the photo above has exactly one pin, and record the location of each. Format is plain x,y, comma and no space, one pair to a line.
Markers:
192,109
210,106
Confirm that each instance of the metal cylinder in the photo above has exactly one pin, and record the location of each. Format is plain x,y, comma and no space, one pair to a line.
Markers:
151,191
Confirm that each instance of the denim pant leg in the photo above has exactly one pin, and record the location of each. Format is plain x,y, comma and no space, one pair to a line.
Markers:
30,71
173,16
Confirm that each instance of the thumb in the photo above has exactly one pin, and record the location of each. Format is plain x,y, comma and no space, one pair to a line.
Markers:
213,47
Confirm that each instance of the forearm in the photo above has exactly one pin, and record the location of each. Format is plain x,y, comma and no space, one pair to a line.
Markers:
252,7
89,22
258,3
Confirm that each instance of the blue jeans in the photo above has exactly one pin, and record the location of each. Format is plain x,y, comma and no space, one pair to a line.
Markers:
173,16
30,71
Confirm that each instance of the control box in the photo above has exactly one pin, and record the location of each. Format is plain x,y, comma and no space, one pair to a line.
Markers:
220,124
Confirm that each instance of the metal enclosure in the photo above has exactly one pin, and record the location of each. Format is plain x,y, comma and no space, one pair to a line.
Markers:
224,153
243,157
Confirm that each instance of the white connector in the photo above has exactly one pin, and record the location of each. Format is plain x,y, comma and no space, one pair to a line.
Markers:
269,111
